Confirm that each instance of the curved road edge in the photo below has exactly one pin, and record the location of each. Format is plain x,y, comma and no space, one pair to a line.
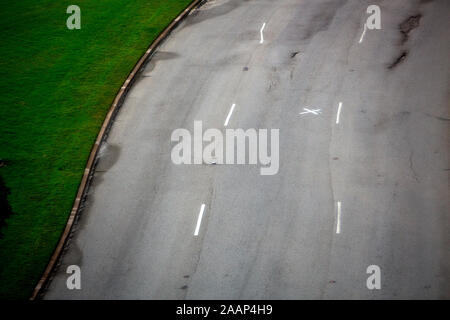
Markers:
90,165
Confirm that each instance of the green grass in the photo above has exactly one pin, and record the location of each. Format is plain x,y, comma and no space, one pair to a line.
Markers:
55,89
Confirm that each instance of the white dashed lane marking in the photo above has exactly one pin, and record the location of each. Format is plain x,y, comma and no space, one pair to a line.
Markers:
199,220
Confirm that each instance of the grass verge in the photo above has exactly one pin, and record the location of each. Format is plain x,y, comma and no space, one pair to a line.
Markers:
56,87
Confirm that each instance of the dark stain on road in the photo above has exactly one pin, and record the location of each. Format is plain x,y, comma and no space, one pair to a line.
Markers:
210,10
398,60
158,56
411,167
384,120
108,156
408,25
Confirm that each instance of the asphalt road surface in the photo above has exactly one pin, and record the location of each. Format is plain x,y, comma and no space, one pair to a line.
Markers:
370,187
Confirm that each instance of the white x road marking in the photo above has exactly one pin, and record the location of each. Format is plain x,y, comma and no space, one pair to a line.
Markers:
315,111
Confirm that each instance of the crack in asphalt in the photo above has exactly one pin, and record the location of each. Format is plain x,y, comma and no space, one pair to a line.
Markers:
409,24
411,167
399,59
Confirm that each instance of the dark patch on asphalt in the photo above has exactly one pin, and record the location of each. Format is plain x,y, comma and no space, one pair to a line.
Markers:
397,118
228,60
411,167
71,255
408,25
249,35
398,60
304,27
184,287
293,54
6,210
158,56
437,117
208,11
108,156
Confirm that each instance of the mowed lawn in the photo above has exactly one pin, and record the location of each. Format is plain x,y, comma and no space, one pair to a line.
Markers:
56,87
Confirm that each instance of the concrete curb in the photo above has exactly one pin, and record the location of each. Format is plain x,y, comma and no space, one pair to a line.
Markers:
89,170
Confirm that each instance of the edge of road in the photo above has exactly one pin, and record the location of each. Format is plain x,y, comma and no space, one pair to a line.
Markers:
102,135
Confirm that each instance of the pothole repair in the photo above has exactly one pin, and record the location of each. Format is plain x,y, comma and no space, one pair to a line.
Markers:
409,24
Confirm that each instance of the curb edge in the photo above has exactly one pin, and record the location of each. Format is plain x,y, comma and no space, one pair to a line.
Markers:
88,171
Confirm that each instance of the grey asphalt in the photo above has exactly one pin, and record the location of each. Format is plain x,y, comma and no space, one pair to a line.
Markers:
274,237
